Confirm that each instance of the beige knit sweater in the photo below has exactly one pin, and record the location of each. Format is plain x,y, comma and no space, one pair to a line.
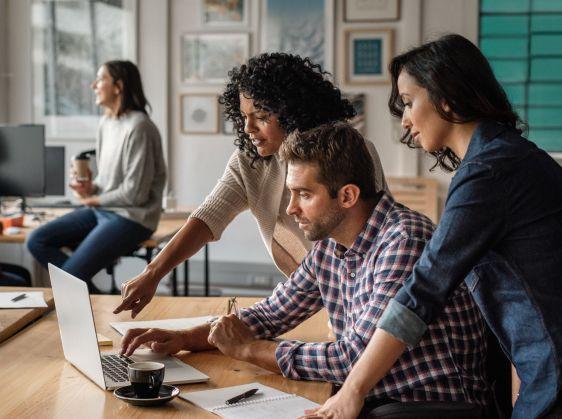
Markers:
261,190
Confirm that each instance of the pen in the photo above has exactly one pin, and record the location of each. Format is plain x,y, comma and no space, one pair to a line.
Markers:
242,396
18,297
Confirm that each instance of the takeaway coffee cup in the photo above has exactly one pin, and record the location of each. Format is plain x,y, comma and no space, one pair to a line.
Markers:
146,378
81,165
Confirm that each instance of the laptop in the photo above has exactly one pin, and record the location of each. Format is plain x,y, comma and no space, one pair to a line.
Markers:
80,344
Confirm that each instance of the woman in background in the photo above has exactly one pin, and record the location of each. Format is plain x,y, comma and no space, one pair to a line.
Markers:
500,231
123,204
266,99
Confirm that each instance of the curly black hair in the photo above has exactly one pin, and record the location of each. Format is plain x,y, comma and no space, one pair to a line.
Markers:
294,89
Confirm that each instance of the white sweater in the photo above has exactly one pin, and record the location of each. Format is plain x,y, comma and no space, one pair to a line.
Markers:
131,169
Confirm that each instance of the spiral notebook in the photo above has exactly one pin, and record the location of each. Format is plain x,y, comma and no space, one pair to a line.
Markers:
267,402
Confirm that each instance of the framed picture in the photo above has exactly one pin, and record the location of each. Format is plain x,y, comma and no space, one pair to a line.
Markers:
207,58
199,114
225,13
371,10
368,53
227,127
300,27
358,102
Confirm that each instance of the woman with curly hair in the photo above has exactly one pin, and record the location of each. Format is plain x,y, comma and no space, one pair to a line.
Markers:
266,99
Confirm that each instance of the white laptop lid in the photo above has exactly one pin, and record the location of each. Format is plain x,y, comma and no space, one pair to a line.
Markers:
79,340
76,324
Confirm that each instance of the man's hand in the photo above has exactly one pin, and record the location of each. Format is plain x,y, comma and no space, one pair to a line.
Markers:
231,336
137,293
159,340
343,405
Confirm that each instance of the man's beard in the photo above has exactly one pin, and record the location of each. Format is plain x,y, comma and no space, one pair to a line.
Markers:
323,228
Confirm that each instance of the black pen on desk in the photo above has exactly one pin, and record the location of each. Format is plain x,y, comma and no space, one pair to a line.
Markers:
18,297
242,396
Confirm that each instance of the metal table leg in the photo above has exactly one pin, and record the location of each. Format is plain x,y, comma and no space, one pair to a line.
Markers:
206,273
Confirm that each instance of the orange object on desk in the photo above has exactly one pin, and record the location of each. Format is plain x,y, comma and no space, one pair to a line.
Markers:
13,221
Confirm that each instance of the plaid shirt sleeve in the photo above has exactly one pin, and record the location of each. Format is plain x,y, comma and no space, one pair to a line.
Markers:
332,361
291,303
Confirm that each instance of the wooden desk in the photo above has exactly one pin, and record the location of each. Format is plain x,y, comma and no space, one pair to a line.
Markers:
12,320
38,382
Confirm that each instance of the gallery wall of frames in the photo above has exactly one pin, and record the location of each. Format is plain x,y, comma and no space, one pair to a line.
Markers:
304,28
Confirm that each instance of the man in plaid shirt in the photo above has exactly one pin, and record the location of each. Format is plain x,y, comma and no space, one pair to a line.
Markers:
367,246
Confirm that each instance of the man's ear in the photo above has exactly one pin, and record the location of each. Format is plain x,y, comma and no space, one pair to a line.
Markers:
348,195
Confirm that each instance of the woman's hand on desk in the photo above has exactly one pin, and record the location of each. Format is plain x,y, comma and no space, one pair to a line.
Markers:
137,293
159,340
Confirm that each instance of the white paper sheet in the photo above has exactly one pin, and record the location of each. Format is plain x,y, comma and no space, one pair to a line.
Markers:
33,299
170,324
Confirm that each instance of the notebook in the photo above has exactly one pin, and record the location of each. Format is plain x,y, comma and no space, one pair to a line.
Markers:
266,403
168,324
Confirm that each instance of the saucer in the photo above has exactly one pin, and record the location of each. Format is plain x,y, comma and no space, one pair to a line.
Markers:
165,394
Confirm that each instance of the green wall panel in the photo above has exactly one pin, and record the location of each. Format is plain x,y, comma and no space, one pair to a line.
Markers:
493,6
546,5
545,117
546,44
545,94
546,69
549,140
504,47
504,25
511,71
515,93
546,23
522,39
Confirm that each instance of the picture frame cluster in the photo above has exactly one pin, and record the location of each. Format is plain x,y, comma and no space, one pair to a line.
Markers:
292,26
206,58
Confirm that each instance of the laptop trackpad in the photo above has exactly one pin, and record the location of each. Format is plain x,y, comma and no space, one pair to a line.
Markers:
177,372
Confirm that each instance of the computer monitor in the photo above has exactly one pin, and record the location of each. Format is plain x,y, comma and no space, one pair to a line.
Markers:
22,160
54,171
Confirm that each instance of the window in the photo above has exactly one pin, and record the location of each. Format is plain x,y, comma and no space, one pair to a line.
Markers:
523,41
71,39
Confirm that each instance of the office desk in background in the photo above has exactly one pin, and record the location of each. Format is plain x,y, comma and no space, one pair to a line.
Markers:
39,382
170,223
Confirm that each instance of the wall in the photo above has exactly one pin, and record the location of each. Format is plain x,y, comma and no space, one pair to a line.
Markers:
3,61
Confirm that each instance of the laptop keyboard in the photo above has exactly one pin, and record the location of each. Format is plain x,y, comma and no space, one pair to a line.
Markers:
115,367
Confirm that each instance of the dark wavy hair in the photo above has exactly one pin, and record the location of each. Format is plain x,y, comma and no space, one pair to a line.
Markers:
452,69
132,98
294,89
